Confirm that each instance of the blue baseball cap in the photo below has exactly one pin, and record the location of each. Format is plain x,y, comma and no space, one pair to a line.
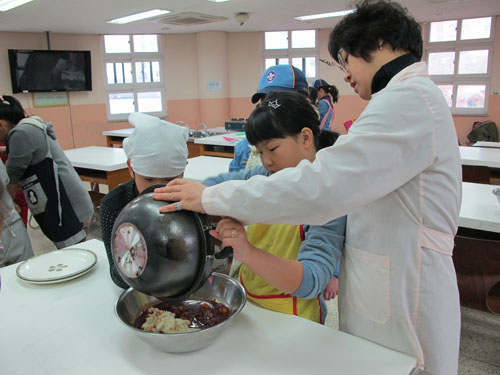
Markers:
320,83
281,78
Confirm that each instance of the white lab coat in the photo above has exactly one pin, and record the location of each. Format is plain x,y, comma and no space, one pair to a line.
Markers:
397,175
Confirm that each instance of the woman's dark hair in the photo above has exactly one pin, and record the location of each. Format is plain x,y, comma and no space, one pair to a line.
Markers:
284,114
359,33
11,110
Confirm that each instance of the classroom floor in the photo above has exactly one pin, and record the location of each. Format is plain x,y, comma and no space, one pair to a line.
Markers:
480,336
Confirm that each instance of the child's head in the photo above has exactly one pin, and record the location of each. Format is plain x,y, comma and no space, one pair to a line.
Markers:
11,112
156,151
324,89
285,129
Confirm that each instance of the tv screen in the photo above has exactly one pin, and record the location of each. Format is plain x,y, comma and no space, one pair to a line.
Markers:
44,71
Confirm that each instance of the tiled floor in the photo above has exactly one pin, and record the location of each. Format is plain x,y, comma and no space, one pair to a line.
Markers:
480,339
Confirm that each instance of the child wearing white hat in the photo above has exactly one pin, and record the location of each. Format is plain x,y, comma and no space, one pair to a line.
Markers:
156,154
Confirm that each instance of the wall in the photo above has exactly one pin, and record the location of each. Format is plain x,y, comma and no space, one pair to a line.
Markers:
190,60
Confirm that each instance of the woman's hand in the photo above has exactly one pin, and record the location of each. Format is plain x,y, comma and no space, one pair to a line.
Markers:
185,192
233,234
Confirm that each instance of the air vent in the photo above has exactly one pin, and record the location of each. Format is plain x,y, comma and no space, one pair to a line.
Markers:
189,19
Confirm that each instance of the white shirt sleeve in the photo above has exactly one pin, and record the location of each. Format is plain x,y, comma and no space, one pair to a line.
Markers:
390,143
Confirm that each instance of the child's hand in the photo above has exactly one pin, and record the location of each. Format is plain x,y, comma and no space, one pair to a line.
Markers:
331,288
233,234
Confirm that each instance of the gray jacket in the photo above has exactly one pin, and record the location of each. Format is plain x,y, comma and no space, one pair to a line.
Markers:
15,243
28,146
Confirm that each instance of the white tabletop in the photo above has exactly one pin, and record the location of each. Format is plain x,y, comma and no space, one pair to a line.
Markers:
119,132
71,328
128,131
201,167
98,158
480,208
489,157
229,139
487,144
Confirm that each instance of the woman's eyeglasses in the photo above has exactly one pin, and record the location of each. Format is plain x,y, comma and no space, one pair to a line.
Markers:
341,60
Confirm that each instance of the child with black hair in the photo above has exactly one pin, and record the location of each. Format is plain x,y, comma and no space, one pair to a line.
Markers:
285,268
327,95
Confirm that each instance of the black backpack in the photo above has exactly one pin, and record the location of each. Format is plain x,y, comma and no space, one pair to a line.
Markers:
484,131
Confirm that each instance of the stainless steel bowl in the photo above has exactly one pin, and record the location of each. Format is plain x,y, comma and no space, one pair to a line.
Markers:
219,287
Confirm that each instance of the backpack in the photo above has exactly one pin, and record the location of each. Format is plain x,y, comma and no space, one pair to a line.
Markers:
484,131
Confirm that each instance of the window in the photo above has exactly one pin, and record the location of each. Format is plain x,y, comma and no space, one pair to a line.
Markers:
299,48
134,79
459,55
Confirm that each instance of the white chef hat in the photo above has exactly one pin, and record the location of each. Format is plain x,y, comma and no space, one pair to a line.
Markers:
156,148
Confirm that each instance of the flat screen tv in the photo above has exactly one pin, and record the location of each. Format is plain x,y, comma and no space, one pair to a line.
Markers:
49,70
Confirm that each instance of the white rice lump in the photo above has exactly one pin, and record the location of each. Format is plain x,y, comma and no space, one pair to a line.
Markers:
159,321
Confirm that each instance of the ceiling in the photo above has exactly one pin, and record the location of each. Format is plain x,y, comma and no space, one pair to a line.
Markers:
90,16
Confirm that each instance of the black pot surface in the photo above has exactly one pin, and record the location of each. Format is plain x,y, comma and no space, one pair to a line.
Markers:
166,255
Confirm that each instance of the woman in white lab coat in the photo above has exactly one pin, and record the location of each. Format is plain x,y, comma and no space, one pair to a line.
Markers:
397,176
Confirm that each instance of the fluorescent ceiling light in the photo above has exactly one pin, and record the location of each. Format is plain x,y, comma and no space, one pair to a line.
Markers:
6,5
139,16
218,1
325,15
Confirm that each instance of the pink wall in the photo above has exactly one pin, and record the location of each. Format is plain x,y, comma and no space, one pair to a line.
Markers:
190,60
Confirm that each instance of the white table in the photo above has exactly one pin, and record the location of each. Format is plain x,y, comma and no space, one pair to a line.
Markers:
481,156
480,208
70,328
115,137
487,144
201,167
219,145
100,165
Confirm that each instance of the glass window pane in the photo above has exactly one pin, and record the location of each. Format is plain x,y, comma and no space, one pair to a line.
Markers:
121,103
270,62
127,72
119,73
471,96
110,73
297,62
443,31
149,101
283,61
310,67
145,43
476,28
304,39
116,43
473,62
139,72
441,63
276,40
155,68
447,91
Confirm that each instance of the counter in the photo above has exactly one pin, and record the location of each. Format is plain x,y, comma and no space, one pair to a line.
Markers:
70,328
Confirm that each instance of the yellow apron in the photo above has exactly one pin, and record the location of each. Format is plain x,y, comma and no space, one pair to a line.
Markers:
283,241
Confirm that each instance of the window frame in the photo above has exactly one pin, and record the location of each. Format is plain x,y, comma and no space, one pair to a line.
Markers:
457,79
291,53
134,88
